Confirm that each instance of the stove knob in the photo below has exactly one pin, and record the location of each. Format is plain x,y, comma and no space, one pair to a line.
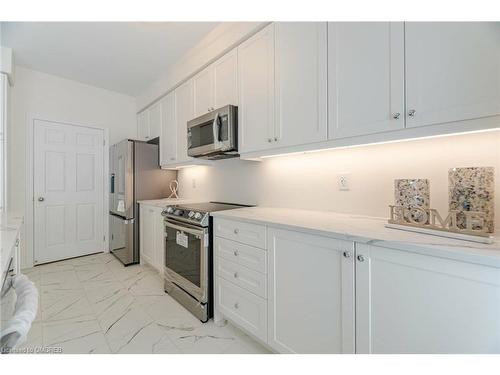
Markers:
170,210
197,216
179,212
191,214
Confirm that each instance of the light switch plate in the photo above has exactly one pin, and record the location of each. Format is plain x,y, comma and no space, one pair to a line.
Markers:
344,181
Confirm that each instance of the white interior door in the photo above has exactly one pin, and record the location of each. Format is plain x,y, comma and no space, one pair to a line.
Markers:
68,191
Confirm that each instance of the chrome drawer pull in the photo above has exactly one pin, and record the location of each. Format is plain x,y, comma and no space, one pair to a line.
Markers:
236,231
235,253
236,305
235,275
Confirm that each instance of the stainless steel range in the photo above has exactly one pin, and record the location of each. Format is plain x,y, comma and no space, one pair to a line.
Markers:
188,255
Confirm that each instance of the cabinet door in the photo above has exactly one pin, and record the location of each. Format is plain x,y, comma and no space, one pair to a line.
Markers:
412,303
365,78
155,120
452,71
146,233
159,240
143,125
168,139
256,91
311,293
225,72
183,113
203,84
301,82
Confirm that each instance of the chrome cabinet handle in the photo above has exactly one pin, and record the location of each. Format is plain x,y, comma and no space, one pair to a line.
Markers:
269,140
361,258
275,139
235,275
41,199
411,113
236,231
235,253
396,116
236,305
347,254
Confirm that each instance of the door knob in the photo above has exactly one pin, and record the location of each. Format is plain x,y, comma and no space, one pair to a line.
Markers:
41,199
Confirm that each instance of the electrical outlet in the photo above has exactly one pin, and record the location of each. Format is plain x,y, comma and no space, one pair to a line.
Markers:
343,181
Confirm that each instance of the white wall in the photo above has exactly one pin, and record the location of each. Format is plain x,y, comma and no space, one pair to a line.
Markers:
309,181
54,98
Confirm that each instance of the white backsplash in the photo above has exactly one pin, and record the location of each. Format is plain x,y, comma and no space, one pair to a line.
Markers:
310,180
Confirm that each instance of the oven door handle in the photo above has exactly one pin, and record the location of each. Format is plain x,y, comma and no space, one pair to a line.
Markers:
184,229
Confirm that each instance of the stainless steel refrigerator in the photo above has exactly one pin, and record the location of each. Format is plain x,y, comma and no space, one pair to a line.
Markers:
135,175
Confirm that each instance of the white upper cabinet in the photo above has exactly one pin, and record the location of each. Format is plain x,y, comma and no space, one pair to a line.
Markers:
452,71
256,130
412,303
168,139
365,78
225,71
183,113
203,84
301,82
217,85
154,120
143,125
311,293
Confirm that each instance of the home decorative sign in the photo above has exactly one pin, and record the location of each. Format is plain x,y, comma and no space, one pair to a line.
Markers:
428,220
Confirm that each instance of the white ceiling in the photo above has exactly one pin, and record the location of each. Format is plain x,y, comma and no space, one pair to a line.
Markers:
121,56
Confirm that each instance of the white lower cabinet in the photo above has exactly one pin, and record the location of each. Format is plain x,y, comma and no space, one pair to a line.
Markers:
311,293
151,236
326,295
412,303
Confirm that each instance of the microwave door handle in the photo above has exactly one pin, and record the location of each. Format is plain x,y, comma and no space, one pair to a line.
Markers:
216,129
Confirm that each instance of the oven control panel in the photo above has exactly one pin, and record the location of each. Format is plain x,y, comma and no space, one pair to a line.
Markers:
193,217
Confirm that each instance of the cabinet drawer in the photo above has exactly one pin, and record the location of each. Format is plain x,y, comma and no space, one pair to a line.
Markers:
249,234
242,308
248,279
248,256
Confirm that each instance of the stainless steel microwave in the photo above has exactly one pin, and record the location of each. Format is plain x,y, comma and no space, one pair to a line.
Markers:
214,135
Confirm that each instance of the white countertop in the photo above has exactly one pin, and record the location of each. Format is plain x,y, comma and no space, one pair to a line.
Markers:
164,202
10,225
369,230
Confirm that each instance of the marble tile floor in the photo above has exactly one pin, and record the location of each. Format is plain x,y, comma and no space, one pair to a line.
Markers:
93,304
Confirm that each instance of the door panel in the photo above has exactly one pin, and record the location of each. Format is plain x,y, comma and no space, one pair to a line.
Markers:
443,305
184,112
301,82
169,132
124,179
68,191
143,125
311,293
452,71
226,80
203,91
154,120
365,78
256,92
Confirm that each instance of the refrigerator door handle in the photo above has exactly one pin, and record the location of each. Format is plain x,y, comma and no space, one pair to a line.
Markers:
112,183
